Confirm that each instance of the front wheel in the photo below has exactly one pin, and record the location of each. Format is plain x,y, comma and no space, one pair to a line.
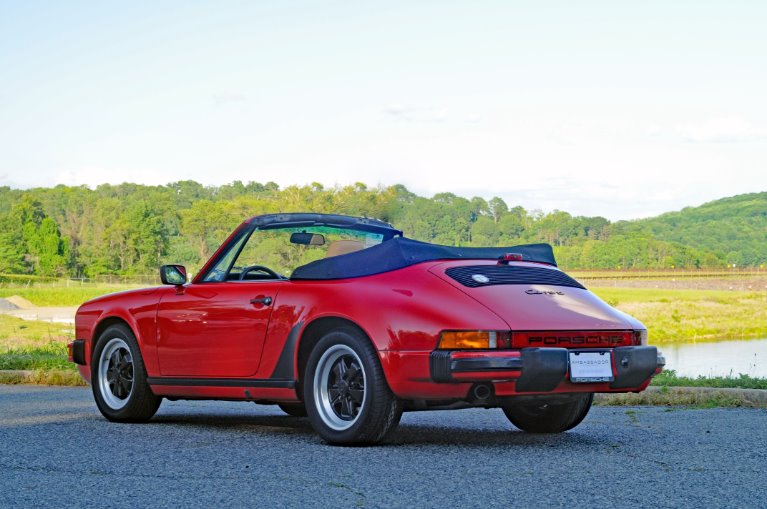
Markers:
119,378
549,414
346,395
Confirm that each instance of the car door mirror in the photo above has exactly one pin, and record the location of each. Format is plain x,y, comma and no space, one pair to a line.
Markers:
173,274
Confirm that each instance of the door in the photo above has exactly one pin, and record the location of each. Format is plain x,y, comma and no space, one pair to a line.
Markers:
214,329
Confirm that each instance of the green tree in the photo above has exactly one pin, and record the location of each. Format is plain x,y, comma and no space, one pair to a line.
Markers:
204,224
497,208
47,250
12,249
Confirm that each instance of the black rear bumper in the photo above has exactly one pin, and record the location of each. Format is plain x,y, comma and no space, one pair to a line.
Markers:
542,369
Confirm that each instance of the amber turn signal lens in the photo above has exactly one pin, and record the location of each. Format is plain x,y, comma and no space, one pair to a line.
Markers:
463,340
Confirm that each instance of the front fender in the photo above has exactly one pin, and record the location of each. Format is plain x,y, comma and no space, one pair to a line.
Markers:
137,309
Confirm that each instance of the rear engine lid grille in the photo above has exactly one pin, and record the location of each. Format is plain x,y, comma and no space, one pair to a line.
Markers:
474,276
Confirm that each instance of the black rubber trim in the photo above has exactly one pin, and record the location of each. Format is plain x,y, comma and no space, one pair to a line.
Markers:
439,366
284,368
544,369
486,364
634,365
275,383
78,351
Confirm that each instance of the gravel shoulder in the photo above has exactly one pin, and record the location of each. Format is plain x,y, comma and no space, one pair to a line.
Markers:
60,314
57,451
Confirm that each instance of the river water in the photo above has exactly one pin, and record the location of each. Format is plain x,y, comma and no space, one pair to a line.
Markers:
722,358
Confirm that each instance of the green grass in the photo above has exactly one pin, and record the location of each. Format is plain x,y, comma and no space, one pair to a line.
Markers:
670,379
675,399
692,315
68,377
18,333
45,357
50,295
39,347
25,279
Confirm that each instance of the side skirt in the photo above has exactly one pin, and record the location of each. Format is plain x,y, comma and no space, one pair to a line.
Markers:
273,383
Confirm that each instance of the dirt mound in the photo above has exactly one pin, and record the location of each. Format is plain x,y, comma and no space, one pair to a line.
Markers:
6,305
19,302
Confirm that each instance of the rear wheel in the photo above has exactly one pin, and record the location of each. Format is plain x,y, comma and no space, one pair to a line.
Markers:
118,378
346,395
549,414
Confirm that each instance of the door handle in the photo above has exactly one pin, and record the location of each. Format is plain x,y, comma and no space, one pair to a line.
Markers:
266,301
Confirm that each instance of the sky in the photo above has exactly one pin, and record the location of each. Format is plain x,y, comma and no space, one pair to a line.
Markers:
617,109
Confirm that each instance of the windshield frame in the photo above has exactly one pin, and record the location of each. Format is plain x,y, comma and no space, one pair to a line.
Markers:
355,226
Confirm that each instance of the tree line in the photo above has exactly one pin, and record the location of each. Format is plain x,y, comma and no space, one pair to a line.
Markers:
130,229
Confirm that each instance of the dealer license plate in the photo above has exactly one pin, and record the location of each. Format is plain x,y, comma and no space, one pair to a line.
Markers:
588,367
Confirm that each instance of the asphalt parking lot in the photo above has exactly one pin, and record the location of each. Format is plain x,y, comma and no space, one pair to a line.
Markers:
57,451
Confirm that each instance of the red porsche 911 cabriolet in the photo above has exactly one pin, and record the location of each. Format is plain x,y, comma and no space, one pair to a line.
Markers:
344,320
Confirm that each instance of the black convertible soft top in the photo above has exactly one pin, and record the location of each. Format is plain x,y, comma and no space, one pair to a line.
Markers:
402,252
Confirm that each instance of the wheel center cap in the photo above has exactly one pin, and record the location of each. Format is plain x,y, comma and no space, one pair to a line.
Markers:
343,386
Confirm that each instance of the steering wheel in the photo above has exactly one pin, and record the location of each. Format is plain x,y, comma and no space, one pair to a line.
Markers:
259,268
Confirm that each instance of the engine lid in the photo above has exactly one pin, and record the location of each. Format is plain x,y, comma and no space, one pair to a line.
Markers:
531,296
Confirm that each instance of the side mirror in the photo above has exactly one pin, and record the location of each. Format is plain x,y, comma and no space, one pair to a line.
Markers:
173,274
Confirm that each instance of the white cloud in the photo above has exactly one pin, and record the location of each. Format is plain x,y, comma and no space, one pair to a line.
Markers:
474,118
224,99
424,114
6,180
95,175
722,130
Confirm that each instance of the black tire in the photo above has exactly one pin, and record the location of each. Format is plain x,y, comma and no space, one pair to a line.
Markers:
293,409
549,414
345,392
118,378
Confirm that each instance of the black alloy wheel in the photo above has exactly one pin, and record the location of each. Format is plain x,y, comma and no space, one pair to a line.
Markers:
345,392
118,378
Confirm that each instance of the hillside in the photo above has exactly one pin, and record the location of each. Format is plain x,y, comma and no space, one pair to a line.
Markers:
733,228
130,229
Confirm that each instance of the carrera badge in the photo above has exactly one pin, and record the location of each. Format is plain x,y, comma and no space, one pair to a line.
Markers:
543,292
480,278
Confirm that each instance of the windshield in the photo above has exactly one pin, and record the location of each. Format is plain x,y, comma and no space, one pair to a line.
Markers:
275,253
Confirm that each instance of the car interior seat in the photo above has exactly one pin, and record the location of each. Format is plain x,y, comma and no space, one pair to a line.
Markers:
342,247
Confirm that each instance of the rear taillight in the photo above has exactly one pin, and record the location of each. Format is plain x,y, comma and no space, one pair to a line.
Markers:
474,340
498,340
640,337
